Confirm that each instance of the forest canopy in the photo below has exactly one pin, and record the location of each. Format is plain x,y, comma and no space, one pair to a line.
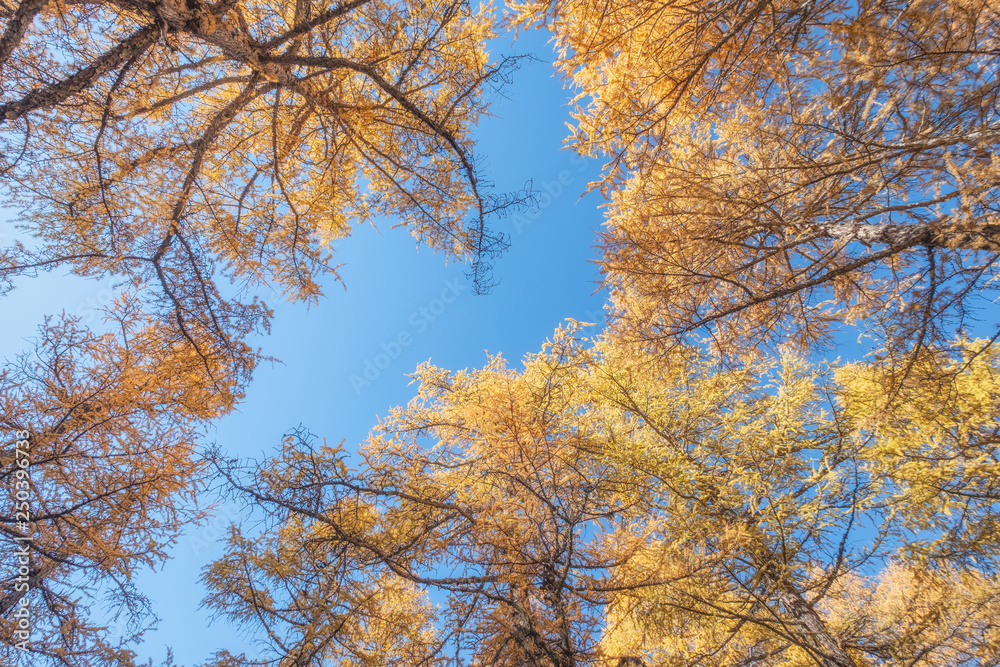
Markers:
779,167
692,484
600,506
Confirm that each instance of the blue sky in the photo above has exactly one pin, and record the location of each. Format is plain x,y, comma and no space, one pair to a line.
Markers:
402,306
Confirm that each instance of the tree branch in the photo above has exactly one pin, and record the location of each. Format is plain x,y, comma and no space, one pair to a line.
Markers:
52,95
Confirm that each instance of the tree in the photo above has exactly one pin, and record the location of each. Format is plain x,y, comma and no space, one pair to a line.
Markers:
506,536
779,167
169,145
172,146
168,140
104,483
606,506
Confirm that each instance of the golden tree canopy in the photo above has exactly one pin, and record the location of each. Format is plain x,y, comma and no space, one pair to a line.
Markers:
777,167
604,507
173,146
169,145
104,482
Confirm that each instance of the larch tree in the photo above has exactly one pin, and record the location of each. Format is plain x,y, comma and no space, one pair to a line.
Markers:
775,168
102,482
501,524
778,167
194,152
604,506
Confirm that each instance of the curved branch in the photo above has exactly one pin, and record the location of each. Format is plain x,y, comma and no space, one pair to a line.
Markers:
437,128
318,20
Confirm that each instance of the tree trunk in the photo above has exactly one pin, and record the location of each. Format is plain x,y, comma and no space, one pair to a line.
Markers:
981,237
812,633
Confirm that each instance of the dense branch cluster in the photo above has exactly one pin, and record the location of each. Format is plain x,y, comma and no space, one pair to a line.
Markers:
779,167
113,477
667,493
170,146
602,507
176,146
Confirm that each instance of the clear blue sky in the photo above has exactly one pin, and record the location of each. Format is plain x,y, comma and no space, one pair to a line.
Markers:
394,291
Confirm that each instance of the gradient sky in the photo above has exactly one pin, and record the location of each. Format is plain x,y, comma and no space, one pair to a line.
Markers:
392,289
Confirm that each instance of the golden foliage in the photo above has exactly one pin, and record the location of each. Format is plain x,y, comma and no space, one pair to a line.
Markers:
173,141
779,167
111,481
604,506
169,146
776,168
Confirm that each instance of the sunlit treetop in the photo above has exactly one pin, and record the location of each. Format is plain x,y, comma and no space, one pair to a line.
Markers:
779,167
253,132
107,485
170,145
